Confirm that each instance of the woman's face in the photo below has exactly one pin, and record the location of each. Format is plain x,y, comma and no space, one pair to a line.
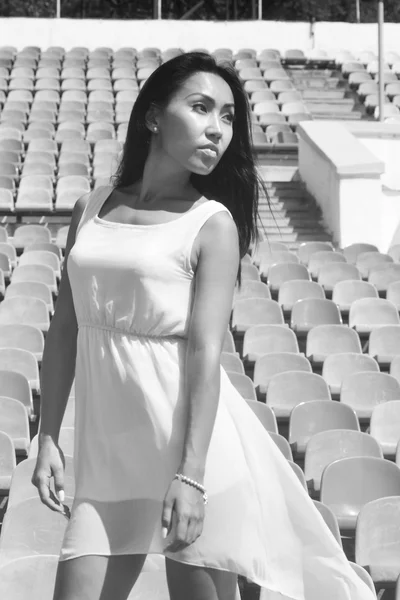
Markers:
200,113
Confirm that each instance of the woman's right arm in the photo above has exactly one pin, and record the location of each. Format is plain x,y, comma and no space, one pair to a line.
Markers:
57,375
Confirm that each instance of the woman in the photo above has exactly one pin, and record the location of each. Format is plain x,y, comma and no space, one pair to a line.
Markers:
141,318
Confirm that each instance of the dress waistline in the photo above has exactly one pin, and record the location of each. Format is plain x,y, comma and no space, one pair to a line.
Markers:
130,333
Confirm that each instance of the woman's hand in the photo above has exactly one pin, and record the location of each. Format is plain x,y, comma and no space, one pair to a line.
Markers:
50,463
184,504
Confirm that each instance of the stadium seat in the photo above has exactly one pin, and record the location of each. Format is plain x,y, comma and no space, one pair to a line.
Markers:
30,577
345,292
28,234
282,444
265,414
243,384
25,337
377,538
384,343
393,293
309,312
325,340
364,390
14,385
255,311
7,461
29,528
291,291
24,310
264,339
351,252
331,274
47,246
350,483
290,388
283,272
250,272
385,426
308,418
9,250
330,520
41,257
5,265
368,313
323,257
382,276
232,362
15,423
299,473
266,259
22,487
331,445
35,272
21,361
268,365
337,366
252,289
368,260
32,289
34,200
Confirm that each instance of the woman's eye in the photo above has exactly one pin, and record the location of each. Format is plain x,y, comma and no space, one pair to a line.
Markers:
199,104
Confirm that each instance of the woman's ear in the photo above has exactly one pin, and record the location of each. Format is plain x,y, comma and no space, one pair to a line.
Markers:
151,118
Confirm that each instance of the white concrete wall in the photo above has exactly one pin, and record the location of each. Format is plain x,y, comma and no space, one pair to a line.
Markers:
190,34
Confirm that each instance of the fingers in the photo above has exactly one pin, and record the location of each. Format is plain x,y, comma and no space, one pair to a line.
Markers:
166,518
42,482
180,537
58,475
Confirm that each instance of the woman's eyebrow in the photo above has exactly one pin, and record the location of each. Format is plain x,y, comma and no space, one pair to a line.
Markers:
230,104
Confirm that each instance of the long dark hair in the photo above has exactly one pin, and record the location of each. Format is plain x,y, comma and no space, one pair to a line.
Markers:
235,181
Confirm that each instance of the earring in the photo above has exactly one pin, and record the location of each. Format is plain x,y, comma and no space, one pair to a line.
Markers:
155,128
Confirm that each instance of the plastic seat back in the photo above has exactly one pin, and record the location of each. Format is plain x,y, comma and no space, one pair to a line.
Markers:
330,519
383,275
345,292
256,311
337,366
323,340
384,343
368,260
352,251
290,388
7,462
252,289
21,361
349,483
328,446
367,313
377,540
313,416
323,257
264,339
15,423
243,384
364,390
310,312
232,362
385,426
280,273
291,291
30,577
282,444
15,385
330,274
265,414
268,365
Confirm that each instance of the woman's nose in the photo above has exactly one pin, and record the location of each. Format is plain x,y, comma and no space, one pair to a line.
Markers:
214,127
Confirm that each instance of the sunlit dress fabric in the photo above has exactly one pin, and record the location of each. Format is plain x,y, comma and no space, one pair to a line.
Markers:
133,289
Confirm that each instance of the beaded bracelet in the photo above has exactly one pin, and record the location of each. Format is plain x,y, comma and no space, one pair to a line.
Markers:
193,483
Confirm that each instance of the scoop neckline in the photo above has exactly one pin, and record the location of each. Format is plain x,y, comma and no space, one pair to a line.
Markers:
102,221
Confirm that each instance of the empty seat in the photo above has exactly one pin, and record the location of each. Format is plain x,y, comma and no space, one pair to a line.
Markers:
268,365
291,291
232,362
368,260
25,337
283,272
265,259
243,384
255,311
33,272
351,252
15,385
377,541
309,312
364,390
330,520
41,257
24,310
323,340
350,483
393,293
321,258
28,234
14,422
7,461
21,361
29,527
337,366
264,339
383,275
30,577
308,418
385,426
31,289
368,313
250,272
329,446
265,414
34,200
384,343
282,444
290,388
331,274
252,289
345,292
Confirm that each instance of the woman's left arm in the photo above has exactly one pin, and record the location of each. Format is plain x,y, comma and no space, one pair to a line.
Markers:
216,275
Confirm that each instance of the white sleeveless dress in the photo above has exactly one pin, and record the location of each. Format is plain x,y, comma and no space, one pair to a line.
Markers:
132,289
